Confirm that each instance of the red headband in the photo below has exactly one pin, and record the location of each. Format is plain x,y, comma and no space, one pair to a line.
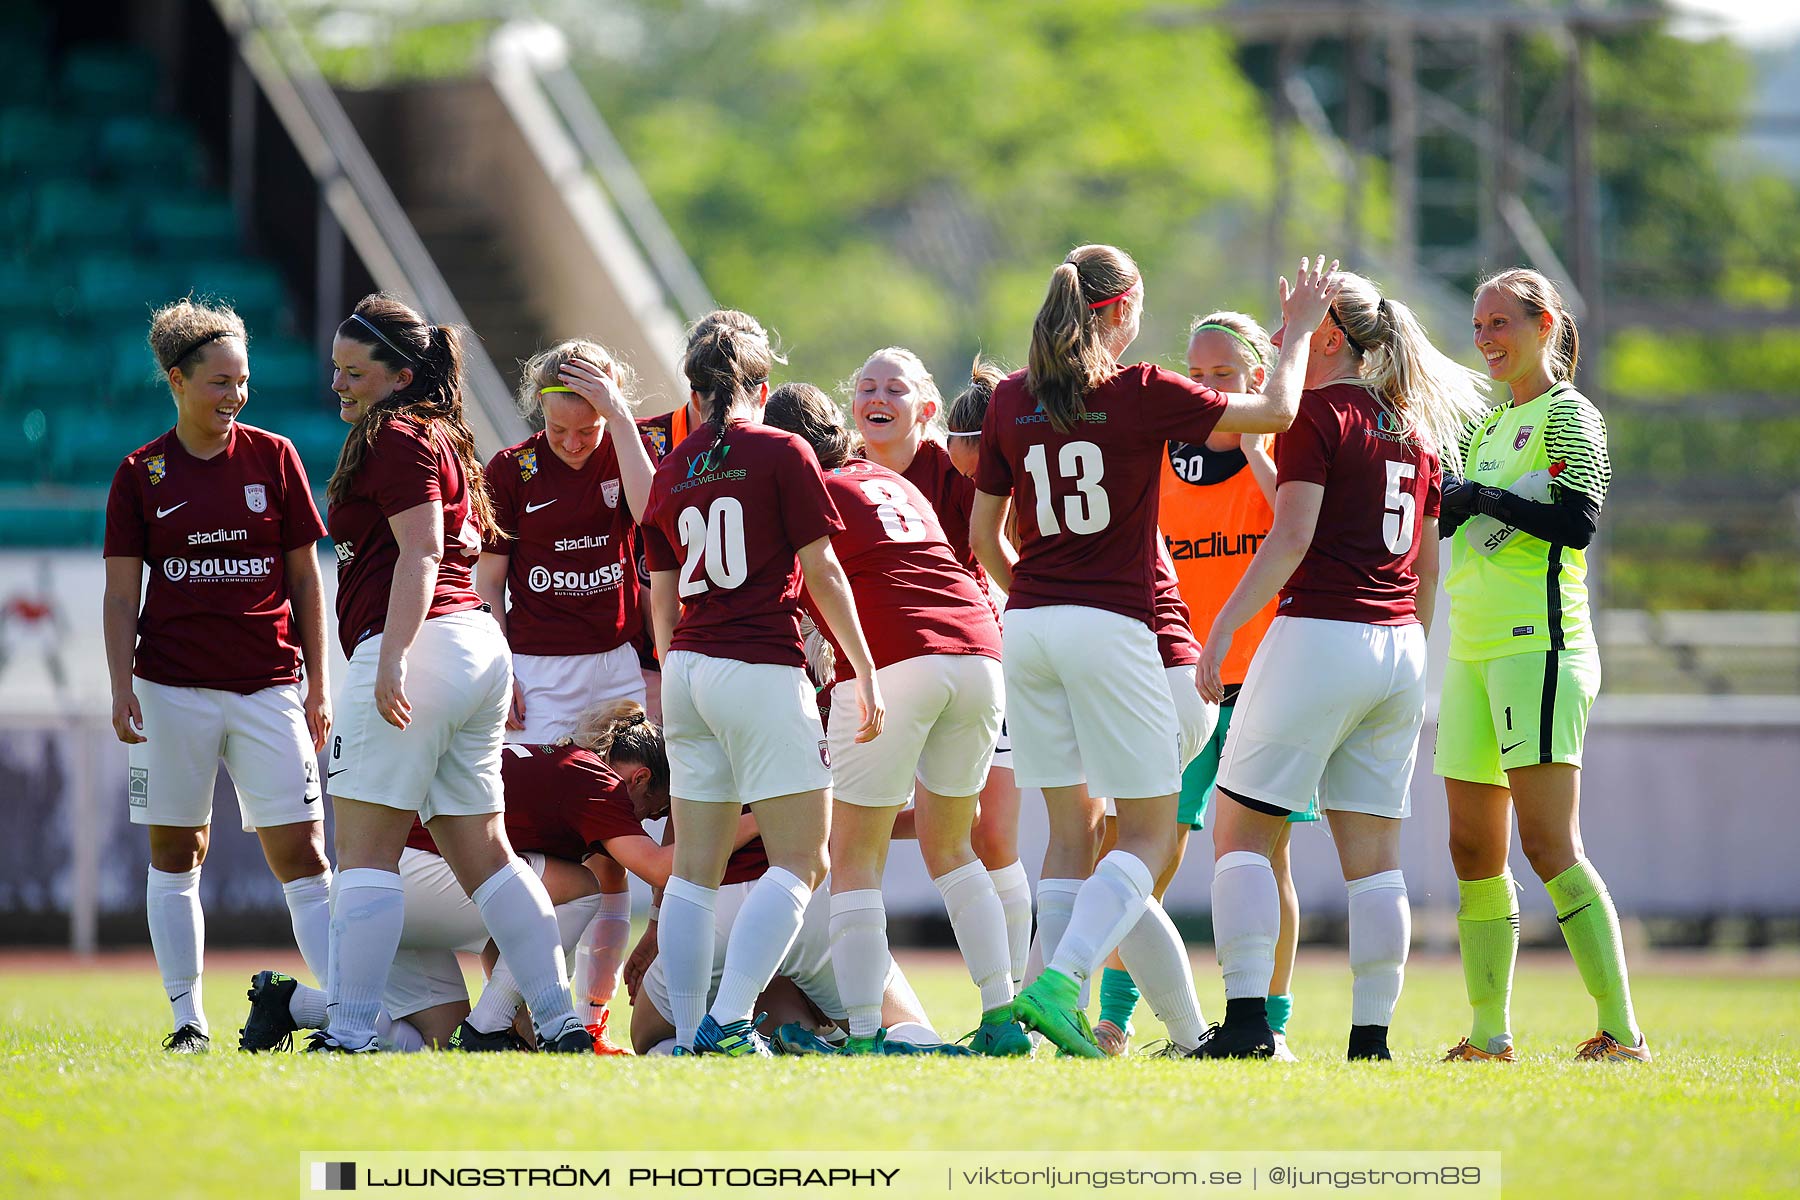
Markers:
1112,299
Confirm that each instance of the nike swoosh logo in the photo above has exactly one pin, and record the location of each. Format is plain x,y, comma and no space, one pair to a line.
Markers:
531,508
336,773
1570,917
1514,746
163,512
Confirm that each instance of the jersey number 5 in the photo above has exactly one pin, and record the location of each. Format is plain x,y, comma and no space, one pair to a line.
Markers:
719,531
1087,511
1397,515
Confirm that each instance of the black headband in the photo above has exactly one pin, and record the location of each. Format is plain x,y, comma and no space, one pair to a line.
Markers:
370,326
195,345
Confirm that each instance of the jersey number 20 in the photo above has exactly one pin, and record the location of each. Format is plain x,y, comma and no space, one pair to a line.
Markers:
1088,510
719,531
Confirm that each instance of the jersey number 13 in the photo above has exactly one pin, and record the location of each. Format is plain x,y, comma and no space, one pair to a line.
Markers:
1087,510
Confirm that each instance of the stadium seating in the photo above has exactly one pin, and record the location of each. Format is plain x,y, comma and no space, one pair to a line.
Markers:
106,211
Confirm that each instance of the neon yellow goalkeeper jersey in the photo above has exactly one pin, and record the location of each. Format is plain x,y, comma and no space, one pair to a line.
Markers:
1510,592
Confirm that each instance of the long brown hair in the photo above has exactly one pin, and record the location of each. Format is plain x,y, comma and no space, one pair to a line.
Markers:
967,412
1068,356
1537,295
398,337
808,413
729,355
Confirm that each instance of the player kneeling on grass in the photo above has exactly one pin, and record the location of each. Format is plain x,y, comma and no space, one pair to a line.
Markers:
562,802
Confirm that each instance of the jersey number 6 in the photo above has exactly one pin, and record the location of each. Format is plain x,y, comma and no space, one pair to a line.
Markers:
1087,511
719,532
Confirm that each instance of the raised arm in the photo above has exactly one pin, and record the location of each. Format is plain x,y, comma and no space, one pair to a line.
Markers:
1302,308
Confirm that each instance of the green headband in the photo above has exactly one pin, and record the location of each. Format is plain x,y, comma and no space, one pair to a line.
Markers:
558,388
1255,354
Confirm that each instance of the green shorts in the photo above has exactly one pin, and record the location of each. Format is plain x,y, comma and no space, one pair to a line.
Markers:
1198,779
1515,711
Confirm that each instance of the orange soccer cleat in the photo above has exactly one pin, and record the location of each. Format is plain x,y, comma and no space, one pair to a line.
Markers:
1466,1051
602,1043
1604,1047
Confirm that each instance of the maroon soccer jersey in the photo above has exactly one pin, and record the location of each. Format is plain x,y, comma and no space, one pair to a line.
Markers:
912,596
1174,629
1380,483
562,801
728,519
1086,499
215,534
952,494
409,465
570,579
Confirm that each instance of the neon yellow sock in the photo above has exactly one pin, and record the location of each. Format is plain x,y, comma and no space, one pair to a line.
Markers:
1487,924
1590,925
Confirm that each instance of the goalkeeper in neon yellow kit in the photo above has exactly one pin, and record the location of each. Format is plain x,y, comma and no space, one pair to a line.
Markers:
1524,667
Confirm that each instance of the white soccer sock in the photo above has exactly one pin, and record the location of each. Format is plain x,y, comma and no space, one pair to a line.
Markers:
912,1033
1380,932
1158,962
516,910
309,908
178,938
1246,922
399,1037
684,942
1014,889
368,912
307,1006
979,922
1109,904
760,938
859,956
601,954
663,1048
1055,905
501,998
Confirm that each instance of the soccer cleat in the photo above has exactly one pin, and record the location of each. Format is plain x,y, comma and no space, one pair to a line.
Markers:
602,1043
270,1026
734,1039
999,1036
795,1038
1368,1043
1282,1053
573,1039
1048,1006
322,1043
1163,1049
187,1040
1112,1040
1244,1040
1604,1047
880,1045
472,1040
1467,1051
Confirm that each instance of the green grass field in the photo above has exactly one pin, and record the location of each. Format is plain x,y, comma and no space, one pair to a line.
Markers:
91,1107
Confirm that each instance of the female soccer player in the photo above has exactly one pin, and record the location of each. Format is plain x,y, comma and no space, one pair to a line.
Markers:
1216,505
1524,667
738,516
996,833
561,801
211,667
1335,694
423,709
936,648
566,501
1079,439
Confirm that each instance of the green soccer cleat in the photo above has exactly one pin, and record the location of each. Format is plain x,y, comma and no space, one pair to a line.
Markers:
795,1038
1048,1005
270,1025
880,1045
999,1036
734,1039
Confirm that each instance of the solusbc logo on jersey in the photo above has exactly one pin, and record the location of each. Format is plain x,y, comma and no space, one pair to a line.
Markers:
158,466
527,465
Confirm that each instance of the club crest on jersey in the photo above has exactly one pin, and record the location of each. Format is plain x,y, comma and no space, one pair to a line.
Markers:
158,466
659,440
1524,436
527,465
257,497
825,754
609,492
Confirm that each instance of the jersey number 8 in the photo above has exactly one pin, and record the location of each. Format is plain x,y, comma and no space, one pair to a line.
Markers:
898,517
1088,510
719,532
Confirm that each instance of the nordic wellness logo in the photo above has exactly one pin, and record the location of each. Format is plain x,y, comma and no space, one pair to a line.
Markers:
709,468
1391,427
